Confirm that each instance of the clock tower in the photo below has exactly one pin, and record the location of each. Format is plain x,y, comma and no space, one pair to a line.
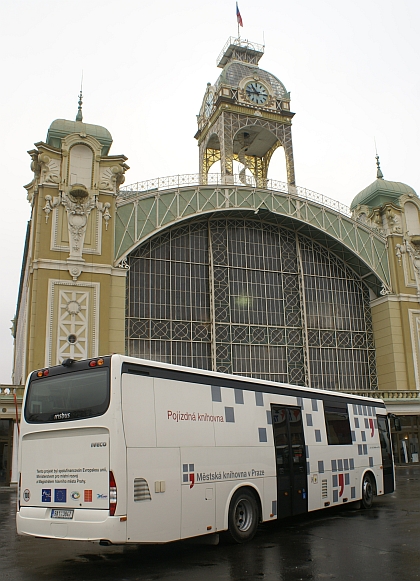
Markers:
245,116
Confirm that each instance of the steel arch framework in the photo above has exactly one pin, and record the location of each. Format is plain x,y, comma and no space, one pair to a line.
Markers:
145,209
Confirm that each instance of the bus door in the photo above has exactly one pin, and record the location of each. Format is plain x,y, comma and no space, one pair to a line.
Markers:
386,451
289,443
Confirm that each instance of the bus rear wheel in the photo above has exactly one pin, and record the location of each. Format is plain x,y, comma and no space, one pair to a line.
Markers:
367,492
243,516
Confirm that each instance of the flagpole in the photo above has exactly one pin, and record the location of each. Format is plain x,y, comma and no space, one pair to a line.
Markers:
238,19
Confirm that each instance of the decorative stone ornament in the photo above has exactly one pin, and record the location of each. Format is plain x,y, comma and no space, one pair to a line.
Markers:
393,220
50,169
78,210
75,271
104,209
78,205
111,178
50,204
413,252
386,220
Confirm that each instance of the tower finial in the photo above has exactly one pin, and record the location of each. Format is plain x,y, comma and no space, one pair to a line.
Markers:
379,173
79,116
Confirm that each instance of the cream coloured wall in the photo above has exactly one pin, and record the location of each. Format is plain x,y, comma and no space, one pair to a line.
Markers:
76,298
389,343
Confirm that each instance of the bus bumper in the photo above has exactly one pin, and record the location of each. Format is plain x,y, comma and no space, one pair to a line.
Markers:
86,525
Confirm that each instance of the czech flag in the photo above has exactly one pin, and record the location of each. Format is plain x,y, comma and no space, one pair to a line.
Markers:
238,15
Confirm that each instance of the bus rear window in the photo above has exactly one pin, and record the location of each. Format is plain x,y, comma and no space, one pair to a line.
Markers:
66,397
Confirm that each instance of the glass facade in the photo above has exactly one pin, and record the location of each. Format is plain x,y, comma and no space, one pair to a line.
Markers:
251,298
405,443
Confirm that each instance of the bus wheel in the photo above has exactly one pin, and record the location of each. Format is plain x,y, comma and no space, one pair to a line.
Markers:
367,491
243,516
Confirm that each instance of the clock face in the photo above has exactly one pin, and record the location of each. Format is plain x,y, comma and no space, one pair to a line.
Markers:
208,104
256,93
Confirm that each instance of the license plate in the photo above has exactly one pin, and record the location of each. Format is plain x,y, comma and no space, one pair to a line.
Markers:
59,513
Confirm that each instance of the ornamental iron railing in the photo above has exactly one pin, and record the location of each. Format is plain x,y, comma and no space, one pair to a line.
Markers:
177,181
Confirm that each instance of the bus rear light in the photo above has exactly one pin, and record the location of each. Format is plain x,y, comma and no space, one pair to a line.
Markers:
112,494
43,373
96,362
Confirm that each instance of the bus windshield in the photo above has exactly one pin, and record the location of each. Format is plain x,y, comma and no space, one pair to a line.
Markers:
70,396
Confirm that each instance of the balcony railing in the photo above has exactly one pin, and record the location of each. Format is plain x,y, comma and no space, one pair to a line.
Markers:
150,187
388,395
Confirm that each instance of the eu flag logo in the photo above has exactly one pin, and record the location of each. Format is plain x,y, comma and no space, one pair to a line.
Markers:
46,495
60,494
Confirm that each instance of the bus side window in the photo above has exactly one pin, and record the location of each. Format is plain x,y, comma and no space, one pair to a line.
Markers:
337,423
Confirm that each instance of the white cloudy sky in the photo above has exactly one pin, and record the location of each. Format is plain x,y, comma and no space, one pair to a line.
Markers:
352,69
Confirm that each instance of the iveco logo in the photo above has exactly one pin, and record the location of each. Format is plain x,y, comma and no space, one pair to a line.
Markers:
98,445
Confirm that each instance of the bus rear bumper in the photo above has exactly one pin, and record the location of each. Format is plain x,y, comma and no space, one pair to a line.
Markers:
86,525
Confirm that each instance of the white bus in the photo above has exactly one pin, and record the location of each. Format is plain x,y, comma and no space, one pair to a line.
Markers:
123,450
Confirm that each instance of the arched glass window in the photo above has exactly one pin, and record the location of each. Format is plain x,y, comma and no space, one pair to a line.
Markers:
250,298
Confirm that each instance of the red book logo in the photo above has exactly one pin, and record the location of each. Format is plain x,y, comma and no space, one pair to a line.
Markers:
188,474
341,483
88,495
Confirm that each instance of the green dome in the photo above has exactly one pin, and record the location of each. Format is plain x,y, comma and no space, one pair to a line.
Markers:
380,192
60,128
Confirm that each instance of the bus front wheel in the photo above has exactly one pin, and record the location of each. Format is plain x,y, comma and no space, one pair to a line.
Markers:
243,516
367,491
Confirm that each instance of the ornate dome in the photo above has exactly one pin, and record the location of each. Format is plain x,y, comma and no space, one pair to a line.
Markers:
381,191
235,71
62,127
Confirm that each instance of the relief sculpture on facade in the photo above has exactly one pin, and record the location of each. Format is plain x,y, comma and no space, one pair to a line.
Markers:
111,178
78,208
78,205
413,252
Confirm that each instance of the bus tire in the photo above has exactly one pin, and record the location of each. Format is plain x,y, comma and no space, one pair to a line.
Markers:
368,492
243,516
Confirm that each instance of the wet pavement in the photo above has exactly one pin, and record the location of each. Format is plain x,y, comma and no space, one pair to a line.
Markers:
375,545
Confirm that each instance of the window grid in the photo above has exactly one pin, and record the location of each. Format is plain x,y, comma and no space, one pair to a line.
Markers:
339,325
257,289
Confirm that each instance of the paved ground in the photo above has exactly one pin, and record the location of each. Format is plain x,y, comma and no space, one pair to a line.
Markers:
377,545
